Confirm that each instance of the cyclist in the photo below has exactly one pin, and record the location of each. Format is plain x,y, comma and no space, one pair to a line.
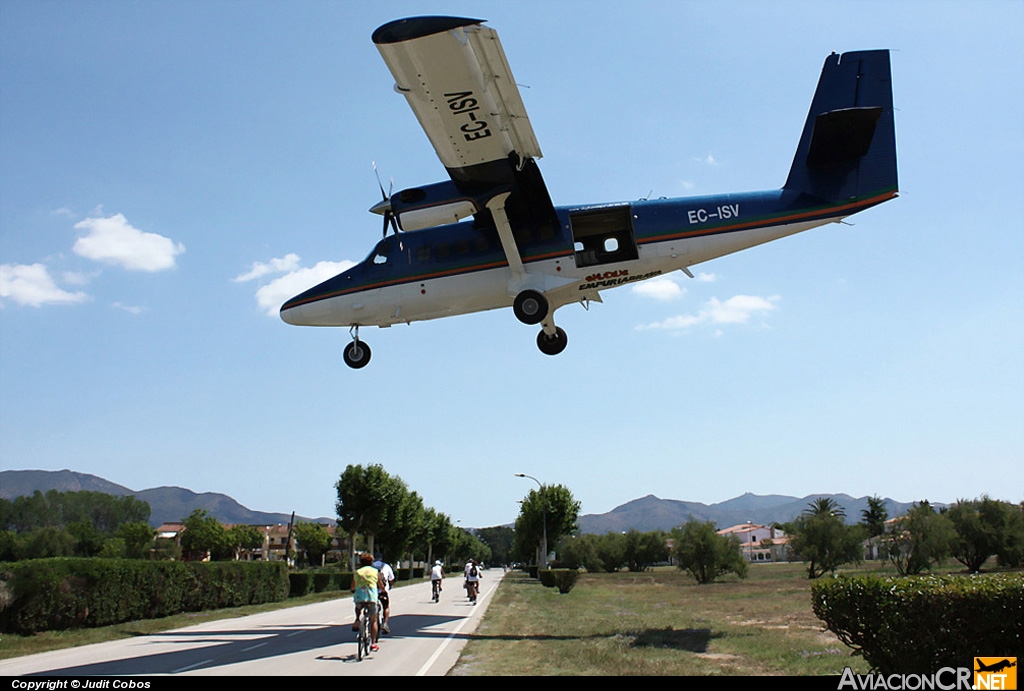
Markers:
366,584
472,580
388,577
436,576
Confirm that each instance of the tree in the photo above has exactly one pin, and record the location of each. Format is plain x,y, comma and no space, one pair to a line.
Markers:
707,555
500,539
917,540
610,549
314,541
466,546
138,539
554,503
203,535
820,537
395,537
874,517
367,498
984,528
244,538
435,535
644,549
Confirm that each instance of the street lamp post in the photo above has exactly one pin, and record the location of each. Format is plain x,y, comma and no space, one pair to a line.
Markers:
544,517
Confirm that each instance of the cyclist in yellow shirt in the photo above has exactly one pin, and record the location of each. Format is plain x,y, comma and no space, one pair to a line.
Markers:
366,582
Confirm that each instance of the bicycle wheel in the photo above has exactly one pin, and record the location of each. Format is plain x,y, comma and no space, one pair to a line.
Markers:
362,639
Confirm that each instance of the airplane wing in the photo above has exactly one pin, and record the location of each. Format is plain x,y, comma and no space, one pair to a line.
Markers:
455,77
454,74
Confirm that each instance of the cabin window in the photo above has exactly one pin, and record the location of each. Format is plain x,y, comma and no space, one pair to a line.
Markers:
380,254
603,236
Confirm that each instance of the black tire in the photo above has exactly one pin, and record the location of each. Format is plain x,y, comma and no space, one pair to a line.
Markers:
552,345
361,637
530,307
357,354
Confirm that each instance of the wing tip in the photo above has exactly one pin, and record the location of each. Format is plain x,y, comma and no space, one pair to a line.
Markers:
416,27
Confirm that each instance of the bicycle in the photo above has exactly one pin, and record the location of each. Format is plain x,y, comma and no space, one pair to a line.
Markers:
435,586
364,639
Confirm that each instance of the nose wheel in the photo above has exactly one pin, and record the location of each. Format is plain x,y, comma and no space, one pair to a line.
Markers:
552,344
357,353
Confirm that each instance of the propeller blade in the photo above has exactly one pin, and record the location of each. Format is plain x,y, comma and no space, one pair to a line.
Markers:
379,183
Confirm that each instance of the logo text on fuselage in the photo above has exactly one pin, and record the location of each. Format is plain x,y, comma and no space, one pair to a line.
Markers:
716,213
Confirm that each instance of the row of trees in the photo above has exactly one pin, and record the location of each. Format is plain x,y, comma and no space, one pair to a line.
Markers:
696,547
65,524
381,515
970,531
633,550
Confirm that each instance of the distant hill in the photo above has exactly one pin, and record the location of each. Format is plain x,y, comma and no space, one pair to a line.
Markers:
167,504
652,513
170,504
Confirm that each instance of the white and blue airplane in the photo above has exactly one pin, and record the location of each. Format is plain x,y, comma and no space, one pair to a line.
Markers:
489,237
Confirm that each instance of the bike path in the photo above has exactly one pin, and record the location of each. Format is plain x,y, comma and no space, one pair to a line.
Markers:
425,640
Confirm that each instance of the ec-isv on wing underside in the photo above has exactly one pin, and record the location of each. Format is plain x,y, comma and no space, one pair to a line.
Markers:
516,249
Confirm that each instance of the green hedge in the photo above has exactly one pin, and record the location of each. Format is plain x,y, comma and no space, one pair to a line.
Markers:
305,582
62,593
923,623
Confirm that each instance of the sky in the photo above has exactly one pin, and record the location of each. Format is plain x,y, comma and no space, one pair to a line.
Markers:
171,172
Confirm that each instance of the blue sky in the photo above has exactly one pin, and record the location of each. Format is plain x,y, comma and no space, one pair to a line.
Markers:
168,171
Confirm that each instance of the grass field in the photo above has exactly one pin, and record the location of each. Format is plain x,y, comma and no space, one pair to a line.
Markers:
658,622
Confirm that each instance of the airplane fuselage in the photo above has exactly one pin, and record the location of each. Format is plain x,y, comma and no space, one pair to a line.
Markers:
461,268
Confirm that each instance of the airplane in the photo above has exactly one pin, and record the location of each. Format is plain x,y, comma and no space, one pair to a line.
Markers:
489,237
995,666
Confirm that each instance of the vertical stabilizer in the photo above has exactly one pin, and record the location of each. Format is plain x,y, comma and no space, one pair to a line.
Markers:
848,147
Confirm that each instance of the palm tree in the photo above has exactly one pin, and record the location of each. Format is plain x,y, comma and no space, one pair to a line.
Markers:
874,516
825,506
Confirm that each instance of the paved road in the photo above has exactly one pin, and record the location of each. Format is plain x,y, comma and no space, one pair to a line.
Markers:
310,640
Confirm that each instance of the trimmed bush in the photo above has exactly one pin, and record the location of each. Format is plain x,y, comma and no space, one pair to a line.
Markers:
923,623
62,593
300,583
563,579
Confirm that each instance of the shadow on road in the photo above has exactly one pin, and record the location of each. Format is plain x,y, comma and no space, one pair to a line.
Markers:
212,649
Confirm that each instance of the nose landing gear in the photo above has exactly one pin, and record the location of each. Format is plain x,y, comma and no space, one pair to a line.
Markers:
553,344
357,353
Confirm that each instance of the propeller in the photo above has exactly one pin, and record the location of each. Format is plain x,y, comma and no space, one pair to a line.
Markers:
383,207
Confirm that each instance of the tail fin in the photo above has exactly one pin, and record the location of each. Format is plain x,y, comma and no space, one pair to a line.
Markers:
848,147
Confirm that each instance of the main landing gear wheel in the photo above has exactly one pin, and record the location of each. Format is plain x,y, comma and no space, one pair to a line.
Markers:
552,345
356,354
530,307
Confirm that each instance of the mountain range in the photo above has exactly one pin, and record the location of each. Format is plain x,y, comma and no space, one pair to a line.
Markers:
171,504
166,504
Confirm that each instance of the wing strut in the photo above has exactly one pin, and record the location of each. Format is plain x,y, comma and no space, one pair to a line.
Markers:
508,241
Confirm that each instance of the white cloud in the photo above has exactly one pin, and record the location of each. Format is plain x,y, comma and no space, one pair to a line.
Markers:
709,160
31,284
271,296
130,309
738,309
113,240
661,288
706,278
289,262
